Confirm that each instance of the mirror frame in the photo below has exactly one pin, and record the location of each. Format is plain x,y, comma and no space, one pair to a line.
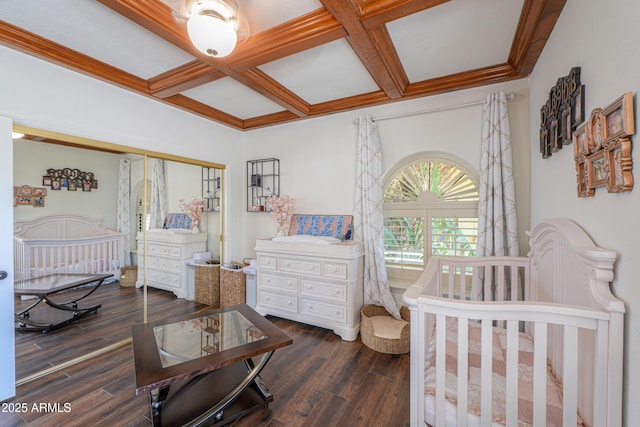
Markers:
92,144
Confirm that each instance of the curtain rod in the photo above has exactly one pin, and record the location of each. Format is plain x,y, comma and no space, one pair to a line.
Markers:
510,96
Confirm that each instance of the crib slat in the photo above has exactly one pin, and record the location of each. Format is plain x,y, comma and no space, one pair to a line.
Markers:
512,373
463,367
515,284
486,371
474,284
570,376
600,378
451,281
487,286
500,291
540,375
441,342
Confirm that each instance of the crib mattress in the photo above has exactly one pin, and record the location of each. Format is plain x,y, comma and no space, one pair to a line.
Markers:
525,376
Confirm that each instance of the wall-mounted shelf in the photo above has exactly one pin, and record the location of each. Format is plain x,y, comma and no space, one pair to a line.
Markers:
263,181
211,183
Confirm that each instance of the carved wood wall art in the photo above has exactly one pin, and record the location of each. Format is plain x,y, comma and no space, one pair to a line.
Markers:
602,148
562,113
26,195
71,179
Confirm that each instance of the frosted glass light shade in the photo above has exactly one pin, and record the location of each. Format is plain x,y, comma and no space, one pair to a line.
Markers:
211,35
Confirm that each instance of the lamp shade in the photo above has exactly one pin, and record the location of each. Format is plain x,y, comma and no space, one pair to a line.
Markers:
211,35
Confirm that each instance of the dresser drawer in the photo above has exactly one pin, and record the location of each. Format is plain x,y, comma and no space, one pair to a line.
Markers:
279,282
158,249
323,310
166,264
169,279
334,291
303,266
278,301
335,270
267,262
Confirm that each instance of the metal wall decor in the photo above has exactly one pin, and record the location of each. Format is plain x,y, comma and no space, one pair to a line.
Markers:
602,148
562,113
26,195
71,179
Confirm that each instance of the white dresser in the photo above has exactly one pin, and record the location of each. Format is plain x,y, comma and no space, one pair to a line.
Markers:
320,285
167,253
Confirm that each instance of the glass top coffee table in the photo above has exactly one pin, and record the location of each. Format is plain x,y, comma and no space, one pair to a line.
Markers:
64,312
198,370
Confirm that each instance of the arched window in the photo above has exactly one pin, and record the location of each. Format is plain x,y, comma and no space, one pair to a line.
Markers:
430,208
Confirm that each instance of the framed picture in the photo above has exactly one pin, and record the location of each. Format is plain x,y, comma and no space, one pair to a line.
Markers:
566,126
555,140
596,130
619,117
597,166
39,191
46,180
581,141
581,178
620,164
55,184
72,185
577,106
545,148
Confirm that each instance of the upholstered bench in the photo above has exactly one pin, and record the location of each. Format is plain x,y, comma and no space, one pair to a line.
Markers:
382,332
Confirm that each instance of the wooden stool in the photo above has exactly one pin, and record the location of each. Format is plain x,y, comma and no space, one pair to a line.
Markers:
382,332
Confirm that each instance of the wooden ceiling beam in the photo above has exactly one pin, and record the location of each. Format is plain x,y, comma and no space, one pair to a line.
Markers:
195,107
305,32
379,12
187,76
479,77
536,22
47,50
375,51
156,17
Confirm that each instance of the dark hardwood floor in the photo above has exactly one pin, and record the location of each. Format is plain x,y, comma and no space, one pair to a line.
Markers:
319,380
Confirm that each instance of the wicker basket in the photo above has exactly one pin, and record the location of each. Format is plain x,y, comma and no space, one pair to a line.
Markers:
397,345
233,286
128,275
207,283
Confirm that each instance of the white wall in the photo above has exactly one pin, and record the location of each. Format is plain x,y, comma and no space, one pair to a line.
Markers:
317,157
595,36
31,161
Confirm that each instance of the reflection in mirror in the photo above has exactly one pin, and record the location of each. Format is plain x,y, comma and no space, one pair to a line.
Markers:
108,168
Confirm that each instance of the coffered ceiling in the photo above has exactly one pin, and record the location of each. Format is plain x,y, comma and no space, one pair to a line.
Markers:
301,58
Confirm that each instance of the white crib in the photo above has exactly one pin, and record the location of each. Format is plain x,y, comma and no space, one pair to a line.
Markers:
541,344
66,244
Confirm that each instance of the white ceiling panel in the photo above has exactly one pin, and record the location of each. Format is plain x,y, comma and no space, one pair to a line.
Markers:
263,15
455,36
96,31
327,72
233,98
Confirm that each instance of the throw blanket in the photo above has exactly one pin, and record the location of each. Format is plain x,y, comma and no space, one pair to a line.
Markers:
525,375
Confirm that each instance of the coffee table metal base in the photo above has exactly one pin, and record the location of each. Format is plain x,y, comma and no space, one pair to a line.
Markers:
61,315
214,399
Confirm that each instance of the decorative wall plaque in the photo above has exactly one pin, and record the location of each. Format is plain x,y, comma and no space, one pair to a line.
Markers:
26,195
71,179
562,113
602,148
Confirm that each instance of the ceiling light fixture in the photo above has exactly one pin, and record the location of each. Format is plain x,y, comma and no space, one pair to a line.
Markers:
17,135
212,26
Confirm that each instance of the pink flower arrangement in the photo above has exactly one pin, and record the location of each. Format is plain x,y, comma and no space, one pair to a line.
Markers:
281,210
194,208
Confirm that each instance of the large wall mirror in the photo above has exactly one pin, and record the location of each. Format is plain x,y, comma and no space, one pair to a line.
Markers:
82,177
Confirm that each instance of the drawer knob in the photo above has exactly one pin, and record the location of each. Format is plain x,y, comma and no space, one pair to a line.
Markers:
290,303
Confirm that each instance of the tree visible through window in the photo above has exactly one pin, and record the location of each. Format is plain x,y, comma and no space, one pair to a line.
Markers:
430,208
